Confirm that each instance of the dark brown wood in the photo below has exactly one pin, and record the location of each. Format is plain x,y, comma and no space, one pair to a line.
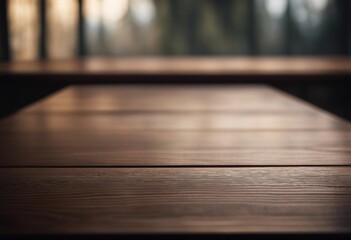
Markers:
114,122
237,98
104,147
174,159
175,200
173,126
238,68
184,65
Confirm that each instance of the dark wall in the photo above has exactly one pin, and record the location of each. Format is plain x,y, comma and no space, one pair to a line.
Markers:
4,41
15,96
333,97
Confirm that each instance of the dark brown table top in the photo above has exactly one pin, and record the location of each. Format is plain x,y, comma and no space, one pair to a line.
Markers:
174,159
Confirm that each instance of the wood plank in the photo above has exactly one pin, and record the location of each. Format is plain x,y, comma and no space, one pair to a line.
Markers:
181,98
168,66
146,126
175,200
205,121
103,147
151,144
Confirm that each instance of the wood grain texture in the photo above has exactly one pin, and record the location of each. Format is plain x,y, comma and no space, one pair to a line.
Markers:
162,98
147,126
255,66
174,159
127,98
173,200
96,147
205,121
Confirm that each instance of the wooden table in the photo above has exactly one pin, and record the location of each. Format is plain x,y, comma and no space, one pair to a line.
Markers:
179,69
107,159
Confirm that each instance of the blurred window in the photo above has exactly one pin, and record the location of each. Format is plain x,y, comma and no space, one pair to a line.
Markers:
23,29
124,27
62,19
271,27
178,27
317,27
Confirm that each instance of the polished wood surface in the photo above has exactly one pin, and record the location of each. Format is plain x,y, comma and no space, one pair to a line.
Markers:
238,68
173,126
184,65
175,200
172,99
128,121
175,148
114,159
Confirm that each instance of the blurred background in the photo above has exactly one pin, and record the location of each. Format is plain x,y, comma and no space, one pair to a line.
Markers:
69,28
61,29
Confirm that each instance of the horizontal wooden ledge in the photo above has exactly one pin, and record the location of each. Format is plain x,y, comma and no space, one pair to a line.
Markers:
109,201
183,65
119,69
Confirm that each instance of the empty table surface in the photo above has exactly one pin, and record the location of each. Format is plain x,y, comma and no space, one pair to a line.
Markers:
174,159
146,98
175,200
